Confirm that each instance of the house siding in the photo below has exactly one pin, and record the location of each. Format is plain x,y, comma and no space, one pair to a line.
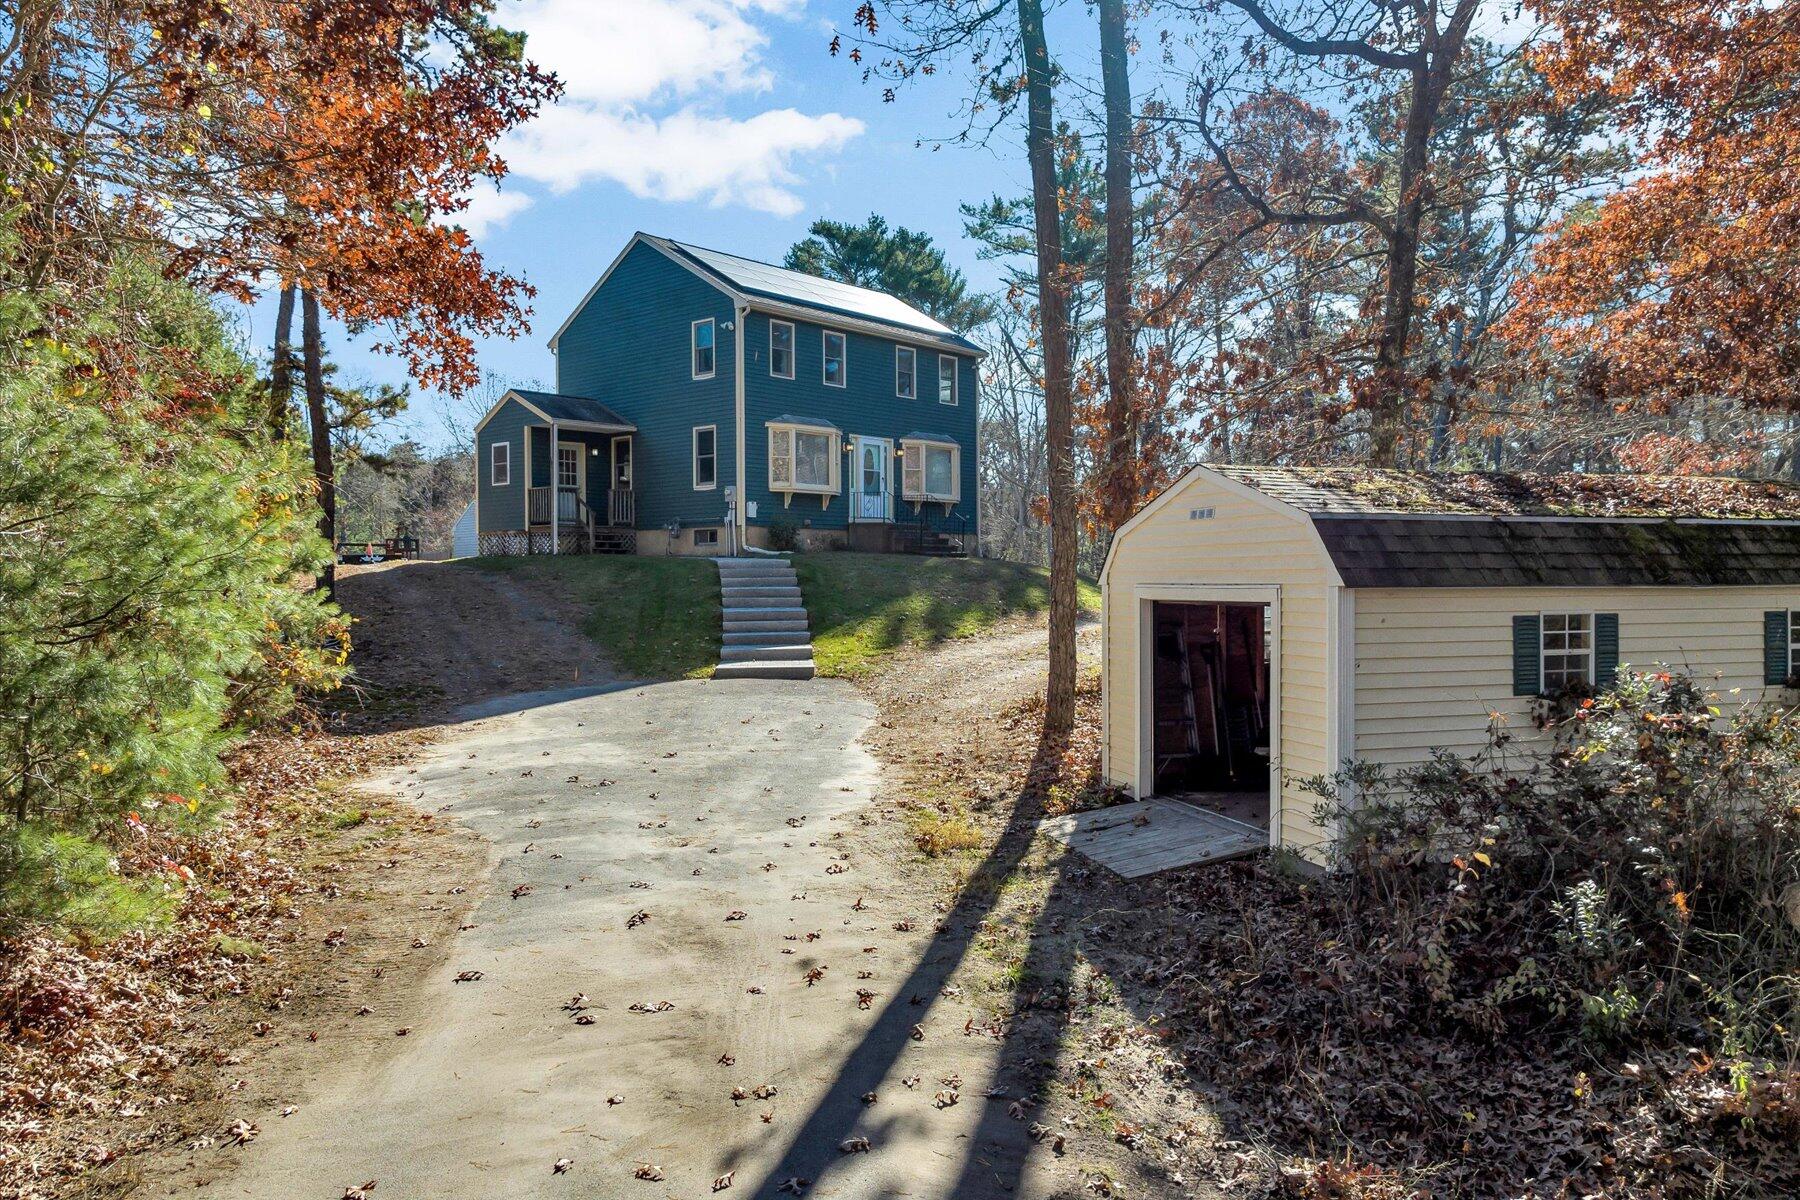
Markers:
628,347
867,406
1246,542
1432,664
502,508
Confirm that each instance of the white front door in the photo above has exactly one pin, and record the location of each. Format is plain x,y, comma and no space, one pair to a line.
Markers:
571,479
872,455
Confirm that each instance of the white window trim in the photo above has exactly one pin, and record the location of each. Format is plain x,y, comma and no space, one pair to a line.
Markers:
694,443
500,464
792,349
826,335
1593,646
694,348
920,496
954,381
1793,641
834,464
914,394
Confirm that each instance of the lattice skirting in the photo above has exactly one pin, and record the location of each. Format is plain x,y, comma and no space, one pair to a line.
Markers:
573,541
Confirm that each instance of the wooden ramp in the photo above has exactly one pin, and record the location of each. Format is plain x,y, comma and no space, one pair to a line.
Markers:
1147,836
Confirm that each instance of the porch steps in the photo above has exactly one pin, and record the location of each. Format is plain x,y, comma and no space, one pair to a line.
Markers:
766,632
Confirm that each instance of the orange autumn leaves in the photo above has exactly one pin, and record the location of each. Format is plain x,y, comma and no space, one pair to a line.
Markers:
1683,283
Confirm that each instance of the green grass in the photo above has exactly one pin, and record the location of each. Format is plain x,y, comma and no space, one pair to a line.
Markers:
865,605
656,618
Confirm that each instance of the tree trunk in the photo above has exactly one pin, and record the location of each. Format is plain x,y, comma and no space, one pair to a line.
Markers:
281,371
1053,319
324,472
1121,484
1401,292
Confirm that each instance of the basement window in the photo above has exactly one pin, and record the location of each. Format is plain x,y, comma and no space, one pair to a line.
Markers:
706,537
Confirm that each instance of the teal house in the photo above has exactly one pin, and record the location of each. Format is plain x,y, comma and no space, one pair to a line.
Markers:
706,402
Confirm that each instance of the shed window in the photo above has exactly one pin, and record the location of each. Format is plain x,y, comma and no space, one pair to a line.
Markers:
1567,649
781,349
703,348
930,471
946,379
802,459
1793,639
706,457
836,372
500,464
906,373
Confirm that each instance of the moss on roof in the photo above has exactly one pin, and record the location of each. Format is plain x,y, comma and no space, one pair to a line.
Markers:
1479,493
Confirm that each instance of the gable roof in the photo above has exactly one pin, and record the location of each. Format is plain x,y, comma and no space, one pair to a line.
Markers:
777,289
1325,490
571,410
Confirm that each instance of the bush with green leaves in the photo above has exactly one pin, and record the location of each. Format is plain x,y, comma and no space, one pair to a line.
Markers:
1640,880
155,542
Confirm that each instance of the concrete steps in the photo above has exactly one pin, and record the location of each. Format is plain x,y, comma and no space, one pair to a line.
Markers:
766,633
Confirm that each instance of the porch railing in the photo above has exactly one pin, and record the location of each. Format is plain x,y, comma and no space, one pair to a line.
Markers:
621,508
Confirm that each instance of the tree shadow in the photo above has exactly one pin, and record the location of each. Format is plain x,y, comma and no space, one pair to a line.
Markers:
837,1115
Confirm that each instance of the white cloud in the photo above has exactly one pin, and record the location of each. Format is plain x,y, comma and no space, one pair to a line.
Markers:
643,85
489,208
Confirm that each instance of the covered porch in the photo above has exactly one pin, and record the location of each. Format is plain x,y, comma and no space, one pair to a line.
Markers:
580,481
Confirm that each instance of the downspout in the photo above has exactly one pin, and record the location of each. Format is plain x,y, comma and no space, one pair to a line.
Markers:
740,532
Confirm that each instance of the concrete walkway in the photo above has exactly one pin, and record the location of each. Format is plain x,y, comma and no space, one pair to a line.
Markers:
766,633
672,863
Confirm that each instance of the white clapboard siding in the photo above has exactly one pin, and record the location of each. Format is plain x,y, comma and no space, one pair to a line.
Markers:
1433,663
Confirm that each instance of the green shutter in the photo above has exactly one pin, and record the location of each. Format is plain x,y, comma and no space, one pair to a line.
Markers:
1775,647
1527,676
1606,649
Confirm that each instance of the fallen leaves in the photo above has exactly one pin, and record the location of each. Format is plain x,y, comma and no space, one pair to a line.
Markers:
241,1132
736,914
524,889
359,1191
648,1171
658,1006
723,1181
854,1145
637,918
467,977
561,1166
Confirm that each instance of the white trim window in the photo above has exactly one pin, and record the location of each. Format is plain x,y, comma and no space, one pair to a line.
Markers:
1565,651
1793,655
906,373
803,458
930,471
706,457
835,370
946,379
500,464
702,336
781,349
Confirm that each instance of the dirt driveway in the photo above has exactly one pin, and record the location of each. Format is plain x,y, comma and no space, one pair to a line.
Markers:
683,973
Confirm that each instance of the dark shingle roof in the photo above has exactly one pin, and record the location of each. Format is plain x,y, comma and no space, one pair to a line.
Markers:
1476,493
573,408
1400,551
809,291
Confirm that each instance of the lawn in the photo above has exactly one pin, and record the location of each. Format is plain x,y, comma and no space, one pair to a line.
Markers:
656,618
863,605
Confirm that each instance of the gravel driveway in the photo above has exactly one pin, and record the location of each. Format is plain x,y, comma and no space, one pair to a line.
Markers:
683,844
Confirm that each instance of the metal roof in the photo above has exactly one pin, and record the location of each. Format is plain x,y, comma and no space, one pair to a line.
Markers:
1389,550
809,291
1474,493
559,407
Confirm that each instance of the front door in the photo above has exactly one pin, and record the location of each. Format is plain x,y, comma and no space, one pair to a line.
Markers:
571,480
872,457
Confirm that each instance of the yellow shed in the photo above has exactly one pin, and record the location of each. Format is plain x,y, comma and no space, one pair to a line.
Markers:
1266,625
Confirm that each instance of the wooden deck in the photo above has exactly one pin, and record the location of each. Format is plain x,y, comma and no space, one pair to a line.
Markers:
1147,836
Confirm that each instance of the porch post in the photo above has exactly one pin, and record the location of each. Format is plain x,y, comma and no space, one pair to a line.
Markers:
555,496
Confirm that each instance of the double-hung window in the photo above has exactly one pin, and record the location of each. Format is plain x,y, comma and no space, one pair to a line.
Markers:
930,471
1793,640
704,356
906,373
1566,649
946,379
781,349
803,458
837,368
500,464
706,457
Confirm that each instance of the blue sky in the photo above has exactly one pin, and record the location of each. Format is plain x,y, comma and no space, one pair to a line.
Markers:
722,122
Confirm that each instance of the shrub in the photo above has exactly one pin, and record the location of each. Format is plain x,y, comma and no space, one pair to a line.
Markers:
783,534
1629,884
154,534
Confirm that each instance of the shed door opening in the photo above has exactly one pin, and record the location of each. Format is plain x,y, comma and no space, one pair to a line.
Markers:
1210,688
